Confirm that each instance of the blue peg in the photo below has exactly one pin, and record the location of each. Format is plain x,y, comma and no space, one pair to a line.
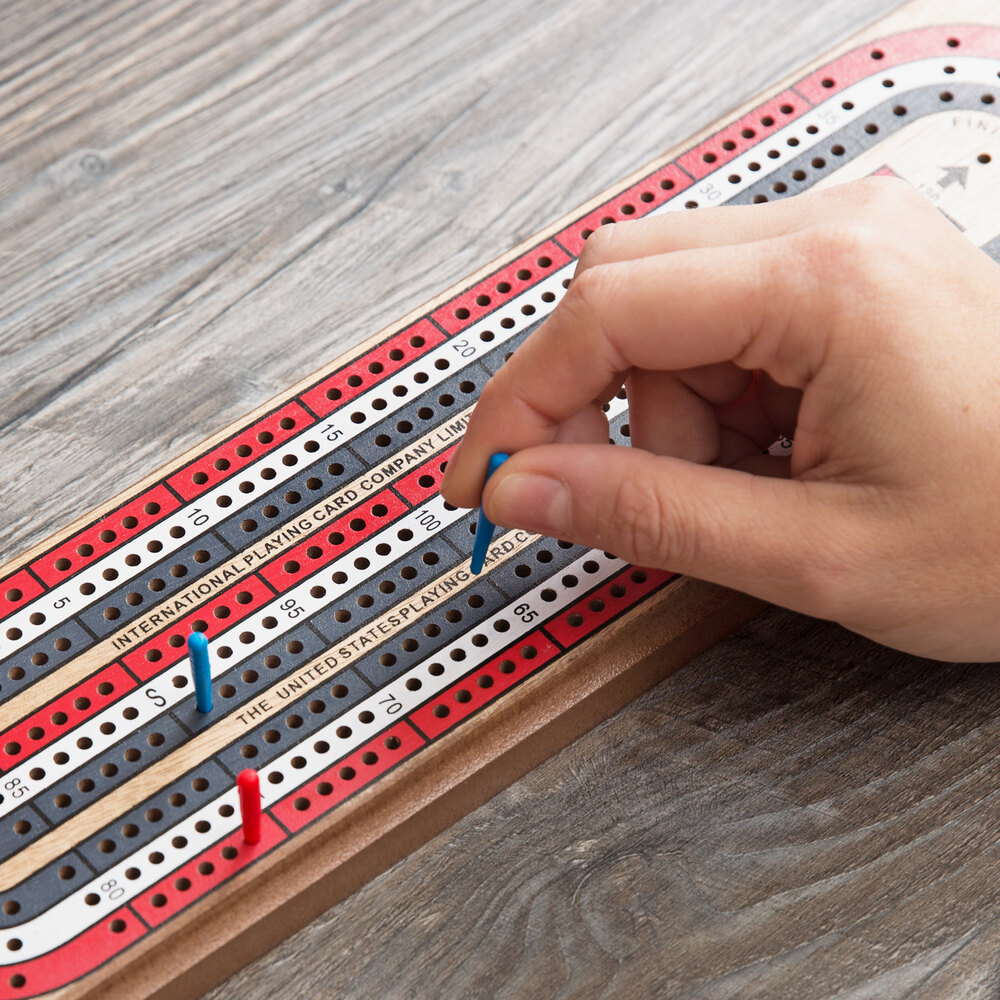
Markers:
201,670
485,527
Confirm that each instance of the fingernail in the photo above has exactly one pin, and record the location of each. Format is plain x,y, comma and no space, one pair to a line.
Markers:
537,503
450,464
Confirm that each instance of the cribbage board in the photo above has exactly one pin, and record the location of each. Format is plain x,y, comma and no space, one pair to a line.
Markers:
380,689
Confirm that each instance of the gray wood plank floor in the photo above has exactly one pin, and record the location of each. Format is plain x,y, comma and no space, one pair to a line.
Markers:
202,202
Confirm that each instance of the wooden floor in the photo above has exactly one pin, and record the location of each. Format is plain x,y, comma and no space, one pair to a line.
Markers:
200,202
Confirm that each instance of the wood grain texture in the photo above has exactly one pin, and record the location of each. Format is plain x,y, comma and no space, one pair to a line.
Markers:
200,203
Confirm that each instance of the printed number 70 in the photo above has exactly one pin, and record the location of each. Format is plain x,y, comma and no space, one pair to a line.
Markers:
392,703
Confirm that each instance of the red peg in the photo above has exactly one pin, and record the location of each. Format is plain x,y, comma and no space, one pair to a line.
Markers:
249,786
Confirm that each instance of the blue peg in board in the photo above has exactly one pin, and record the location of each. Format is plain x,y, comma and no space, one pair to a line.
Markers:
484,526
200,670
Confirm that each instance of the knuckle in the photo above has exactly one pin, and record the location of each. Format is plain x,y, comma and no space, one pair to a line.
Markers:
877,211
880,199
588,291
596,247
851,254
589,307
881,191
836,244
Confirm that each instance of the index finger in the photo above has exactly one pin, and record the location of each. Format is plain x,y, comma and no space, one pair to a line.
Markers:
755,304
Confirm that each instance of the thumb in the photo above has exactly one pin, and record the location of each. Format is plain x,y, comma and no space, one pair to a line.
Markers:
786,541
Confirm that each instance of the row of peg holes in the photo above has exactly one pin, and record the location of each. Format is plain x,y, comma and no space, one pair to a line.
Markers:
294,720
504,287
292,498
666,184
131,755
748,133
229,851
432,630
242,451
205,868
597,605
425,413
336,539
178,842
899,110
130,830
485,680
153,546
317,706
39,658
153,815
22,827
85,550
346,773
58,718
156,584
81,703
376,368
221,611
479,639
818,163
878,54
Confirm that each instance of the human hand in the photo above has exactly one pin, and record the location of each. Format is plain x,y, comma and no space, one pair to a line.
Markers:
875,327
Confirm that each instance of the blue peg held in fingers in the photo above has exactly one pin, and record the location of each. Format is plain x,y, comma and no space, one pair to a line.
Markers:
484,526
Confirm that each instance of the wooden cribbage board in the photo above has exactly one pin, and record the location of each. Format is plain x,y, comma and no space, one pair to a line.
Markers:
380,690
